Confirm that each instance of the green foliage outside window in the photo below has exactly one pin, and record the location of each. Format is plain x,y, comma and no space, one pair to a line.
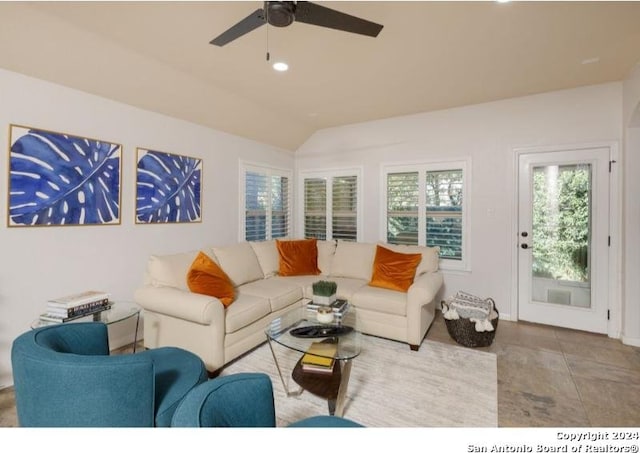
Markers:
561,222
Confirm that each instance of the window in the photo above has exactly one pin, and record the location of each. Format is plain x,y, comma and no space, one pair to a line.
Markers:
425,206
331,204
266,203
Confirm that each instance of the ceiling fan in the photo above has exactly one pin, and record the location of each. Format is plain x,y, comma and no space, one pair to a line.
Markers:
282,14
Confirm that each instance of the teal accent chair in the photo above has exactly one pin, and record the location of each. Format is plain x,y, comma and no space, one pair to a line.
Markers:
64,376
242,400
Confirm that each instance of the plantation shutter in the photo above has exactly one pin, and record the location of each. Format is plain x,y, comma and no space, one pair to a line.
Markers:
315,208
256,202
266,214
344,208
279,206
402,208
444,212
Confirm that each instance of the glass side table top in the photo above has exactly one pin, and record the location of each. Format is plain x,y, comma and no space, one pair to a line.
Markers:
119,311
349,344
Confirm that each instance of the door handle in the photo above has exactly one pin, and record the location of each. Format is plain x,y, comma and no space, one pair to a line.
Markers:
525,246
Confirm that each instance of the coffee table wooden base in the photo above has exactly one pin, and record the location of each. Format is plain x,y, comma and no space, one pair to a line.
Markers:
330,386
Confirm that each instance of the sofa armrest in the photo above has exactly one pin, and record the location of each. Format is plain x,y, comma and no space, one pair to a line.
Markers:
181,304
423,291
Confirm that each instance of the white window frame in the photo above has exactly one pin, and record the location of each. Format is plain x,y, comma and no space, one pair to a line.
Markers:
422,168
269,171
329,174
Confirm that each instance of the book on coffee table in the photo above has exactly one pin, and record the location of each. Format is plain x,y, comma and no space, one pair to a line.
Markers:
319,357
339,307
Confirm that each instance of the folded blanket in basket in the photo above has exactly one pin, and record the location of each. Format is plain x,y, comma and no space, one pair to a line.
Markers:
477,310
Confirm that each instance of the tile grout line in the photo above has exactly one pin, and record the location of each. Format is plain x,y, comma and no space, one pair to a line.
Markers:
575,384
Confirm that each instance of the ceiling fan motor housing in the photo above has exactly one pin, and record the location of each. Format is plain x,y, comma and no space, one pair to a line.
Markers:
283,14
280,14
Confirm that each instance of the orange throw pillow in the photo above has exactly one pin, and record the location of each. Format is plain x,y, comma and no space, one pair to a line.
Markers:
393,270
298,257
206,277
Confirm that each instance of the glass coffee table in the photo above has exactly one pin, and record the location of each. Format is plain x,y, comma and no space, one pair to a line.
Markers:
332,385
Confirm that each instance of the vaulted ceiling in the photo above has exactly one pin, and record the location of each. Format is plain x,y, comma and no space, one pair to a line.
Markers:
429,55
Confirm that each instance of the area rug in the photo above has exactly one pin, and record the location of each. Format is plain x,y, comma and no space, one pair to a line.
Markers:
440,385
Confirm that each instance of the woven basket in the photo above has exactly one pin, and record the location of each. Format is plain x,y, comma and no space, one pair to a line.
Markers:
464,331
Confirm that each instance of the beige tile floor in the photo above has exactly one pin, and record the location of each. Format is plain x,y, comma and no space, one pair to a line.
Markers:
554,377
547,377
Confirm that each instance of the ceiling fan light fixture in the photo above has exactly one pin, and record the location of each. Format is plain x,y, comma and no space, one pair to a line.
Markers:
280,66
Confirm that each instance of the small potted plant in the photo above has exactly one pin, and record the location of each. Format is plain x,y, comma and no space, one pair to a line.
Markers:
324,292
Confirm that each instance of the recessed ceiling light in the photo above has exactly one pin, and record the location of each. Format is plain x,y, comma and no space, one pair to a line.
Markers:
280,66
503,1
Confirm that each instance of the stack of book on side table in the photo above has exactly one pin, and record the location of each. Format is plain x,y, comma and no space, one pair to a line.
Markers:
340,307
76,306
319,358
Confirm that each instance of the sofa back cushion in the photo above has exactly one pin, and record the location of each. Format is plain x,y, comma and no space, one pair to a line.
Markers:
239,262
268,256
394,270
353,260
326,250
206,277
430,256
298,257
170,270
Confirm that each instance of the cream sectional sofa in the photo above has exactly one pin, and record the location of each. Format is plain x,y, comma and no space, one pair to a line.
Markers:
174,316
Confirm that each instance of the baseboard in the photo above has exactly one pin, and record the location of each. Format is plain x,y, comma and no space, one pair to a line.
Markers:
631,341
506,317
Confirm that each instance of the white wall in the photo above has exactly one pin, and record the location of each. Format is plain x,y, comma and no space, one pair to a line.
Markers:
631,208
39,263
488,134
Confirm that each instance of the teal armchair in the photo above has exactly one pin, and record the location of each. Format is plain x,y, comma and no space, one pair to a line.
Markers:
242,400
64,376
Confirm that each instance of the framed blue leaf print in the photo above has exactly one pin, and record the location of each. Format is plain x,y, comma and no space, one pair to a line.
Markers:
168,188
61,179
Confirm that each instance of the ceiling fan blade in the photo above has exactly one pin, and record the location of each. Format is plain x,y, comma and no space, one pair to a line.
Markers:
249,23
314,14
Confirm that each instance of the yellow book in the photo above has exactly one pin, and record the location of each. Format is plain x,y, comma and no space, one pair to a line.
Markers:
320,354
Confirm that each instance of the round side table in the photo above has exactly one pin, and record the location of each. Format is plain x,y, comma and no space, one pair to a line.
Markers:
119,311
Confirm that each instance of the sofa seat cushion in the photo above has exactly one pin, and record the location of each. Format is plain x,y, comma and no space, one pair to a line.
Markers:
303,282
347,287
380,300
277,291
245,310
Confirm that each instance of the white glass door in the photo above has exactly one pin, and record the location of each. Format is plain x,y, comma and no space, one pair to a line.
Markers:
563,218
